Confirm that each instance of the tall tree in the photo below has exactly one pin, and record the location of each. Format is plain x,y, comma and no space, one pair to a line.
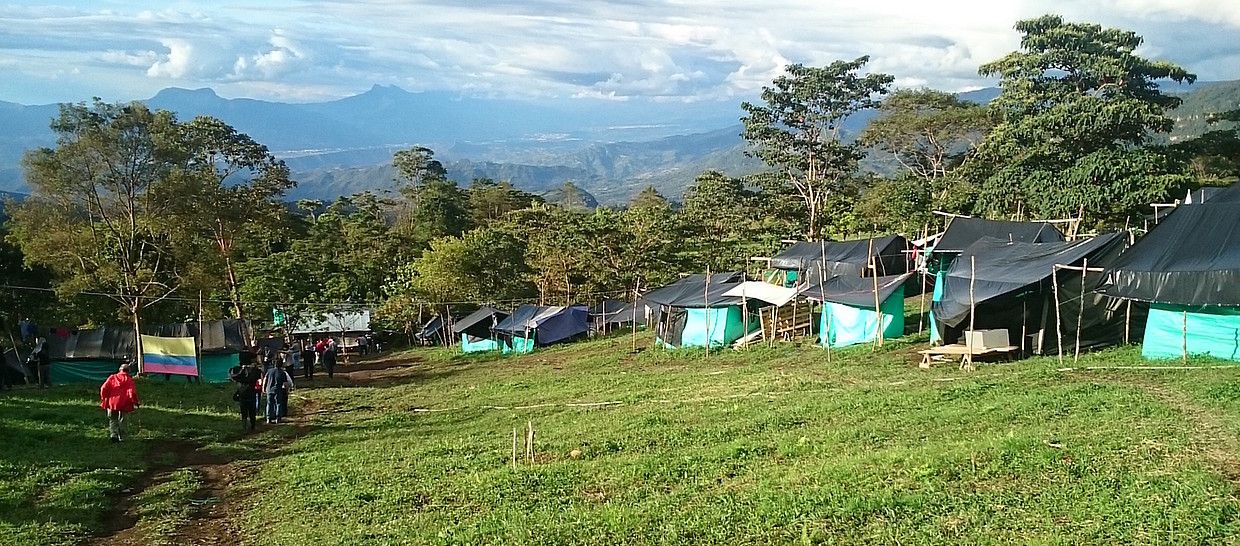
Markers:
798,128
490,200
928,132
434,205
1074,120
101,216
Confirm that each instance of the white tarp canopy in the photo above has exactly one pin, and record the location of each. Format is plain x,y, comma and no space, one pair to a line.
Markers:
335,322
763,291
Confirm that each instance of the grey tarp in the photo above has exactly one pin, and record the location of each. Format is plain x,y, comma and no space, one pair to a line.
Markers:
547,324
855,291
962,232
105,343
1190,258
846,257
1009,285
479,323
695,291
218,336
625,312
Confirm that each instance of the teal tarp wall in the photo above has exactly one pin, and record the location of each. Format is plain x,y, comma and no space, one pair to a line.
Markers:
1213,331
478,345
214,366
82,371
844,325
520,345
725,325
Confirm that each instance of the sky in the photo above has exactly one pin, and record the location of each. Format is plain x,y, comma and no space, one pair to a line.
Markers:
662,50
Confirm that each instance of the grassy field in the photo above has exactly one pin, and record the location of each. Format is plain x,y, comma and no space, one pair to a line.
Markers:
769,446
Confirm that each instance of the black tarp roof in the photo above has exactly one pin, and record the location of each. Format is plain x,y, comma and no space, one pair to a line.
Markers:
963,231
550,324
479,323
218,336
619,312
856,253
855,291
1190,258
691,291
606,307
996,268
106,343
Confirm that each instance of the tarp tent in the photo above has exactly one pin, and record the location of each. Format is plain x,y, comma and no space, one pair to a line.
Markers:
610,314
849,315
963,231
1010,286
532,326
847,257
694,312
432,332
221,342
475,330
1188,269
12,368
89,356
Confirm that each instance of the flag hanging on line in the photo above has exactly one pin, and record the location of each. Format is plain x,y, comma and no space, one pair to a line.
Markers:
171,355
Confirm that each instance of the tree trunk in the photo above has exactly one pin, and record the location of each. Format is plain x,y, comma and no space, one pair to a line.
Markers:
234,291
134,311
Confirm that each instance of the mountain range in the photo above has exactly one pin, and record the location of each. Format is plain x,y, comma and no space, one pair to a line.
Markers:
610,149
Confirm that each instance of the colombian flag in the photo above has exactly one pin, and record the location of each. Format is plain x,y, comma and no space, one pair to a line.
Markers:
173,355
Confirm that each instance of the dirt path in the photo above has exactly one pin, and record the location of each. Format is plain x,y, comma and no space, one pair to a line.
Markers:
217,501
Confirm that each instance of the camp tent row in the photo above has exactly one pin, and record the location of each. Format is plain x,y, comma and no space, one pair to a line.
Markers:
527,327
91,355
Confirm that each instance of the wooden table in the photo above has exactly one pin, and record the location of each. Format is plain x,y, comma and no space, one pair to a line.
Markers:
965,353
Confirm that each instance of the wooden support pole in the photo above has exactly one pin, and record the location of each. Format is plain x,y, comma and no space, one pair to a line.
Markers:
529,441
1080,308
1184,337
636,286
706,299
1127,321
198,341
925,271
1058,313
514,448
972,302
826,316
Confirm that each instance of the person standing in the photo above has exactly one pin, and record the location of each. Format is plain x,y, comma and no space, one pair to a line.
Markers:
42,363
307,358
288,387
274,381
362,346
118,397
246,376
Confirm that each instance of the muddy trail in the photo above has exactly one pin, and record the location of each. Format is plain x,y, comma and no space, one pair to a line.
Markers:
214,505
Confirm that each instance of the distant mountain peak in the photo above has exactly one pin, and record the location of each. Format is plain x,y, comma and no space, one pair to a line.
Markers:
182,93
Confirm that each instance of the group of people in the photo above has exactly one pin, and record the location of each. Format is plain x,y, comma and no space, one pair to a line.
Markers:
266,377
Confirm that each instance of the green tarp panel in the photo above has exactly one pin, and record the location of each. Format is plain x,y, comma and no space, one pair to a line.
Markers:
478,345
82,371
722,325
844,325
939,281
1213,331
519,345
213,368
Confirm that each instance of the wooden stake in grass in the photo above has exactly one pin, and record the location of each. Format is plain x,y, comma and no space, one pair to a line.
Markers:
529,441
514,448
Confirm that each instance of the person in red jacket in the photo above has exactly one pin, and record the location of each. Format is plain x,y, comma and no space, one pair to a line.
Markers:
118,396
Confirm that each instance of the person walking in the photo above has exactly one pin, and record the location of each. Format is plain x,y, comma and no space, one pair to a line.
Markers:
274,381
329,357
288,387
118,397
307,358
246,377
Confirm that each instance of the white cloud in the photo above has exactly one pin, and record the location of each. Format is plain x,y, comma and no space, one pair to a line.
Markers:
176,63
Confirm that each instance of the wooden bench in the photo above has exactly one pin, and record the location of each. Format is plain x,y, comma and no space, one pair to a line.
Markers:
965,353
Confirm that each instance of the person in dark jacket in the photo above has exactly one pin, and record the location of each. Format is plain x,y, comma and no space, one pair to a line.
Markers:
307,358
275,385
41,361
246,377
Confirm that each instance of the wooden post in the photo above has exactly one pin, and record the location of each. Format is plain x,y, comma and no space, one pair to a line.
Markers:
514,448
1080,308
198,341
878,307
925,270
636,285
822,283
529,441
706,299
972,303
1184,337
1058,313
1127,321
745,316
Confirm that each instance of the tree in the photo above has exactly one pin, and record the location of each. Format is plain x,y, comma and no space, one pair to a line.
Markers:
102,215
1215,156
928,132
1074,120
434,205
230,195
649,197
798,129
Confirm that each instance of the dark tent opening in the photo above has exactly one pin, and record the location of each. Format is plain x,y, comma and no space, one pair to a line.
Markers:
695,312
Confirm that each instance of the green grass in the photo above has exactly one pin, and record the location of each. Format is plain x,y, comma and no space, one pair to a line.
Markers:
782,445
59,474
770,446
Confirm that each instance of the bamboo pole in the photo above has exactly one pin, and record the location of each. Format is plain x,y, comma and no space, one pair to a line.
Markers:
198,342
636,286
925,269
1058,313
826,316
1127,321
1184,336
1080,308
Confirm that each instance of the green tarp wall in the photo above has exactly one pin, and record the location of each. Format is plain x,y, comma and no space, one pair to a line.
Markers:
842,325
82,371
479,346
520,345
214,367
725,325
1213,331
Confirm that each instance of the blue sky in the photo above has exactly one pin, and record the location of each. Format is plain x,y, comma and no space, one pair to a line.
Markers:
666,50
